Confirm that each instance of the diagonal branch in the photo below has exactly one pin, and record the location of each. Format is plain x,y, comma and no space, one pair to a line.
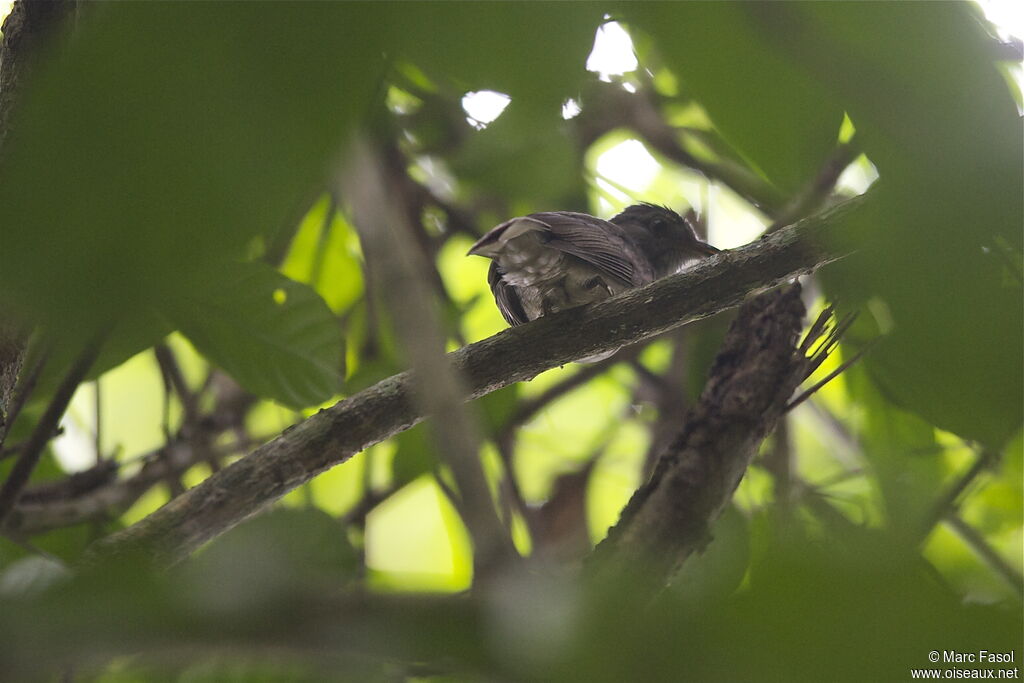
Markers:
334,435
754,374
44,430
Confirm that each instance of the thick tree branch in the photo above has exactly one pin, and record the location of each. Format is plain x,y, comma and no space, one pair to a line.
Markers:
334,435
755,373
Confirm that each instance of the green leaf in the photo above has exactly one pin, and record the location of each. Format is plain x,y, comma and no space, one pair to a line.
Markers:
127,337
535,50
497,407
161,138
283,552
525,155
414,457
324,254
934,113
904,455
275,336
714,574
764,105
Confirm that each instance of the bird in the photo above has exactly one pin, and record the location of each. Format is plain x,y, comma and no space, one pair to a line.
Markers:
553,260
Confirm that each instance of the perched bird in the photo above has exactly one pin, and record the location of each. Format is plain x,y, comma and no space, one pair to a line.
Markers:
546,262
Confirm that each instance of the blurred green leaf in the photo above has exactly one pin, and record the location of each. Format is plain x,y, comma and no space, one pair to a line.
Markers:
414,457
949,158
534,51
163,137
769,109
497,407
275,336
952,350
775,78
903,453
324,255
715,574
525,155
284,552
124,339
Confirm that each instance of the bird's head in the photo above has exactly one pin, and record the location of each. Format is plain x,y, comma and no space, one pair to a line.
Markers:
668,239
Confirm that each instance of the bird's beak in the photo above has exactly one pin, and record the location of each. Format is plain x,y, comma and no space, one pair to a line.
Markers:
485,246
705,249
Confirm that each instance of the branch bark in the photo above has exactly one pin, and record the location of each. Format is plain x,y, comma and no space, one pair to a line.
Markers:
755,373
334,435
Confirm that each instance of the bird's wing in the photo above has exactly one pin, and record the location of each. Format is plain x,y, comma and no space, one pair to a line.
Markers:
493,242
506,297
590,239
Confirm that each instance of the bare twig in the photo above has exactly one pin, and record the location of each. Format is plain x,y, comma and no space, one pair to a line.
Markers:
830,376
779,462
819,188
615,108
986,552
947,502
170,369
98,409
29,457
527,409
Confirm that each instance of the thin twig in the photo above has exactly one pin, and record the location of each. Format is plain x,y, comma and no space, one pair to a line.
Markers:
98,407
779,462
946,503
317,269
819,188
987,553
43,432
831,376
817,329
527,409
172,371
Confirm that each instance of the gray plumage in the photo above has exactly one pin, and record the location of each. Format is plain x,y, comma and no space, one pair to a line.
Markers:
550,261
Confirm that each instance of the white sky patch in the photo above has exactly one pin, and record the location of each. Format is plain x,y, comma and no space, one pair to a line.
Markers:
1007,15
75,448
484,106
612,191
628,164
613,52
731,222
1008,18
570,109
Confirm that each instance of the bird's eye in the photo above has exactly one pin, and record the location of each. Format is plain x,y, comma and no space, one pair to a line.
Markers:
658,224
